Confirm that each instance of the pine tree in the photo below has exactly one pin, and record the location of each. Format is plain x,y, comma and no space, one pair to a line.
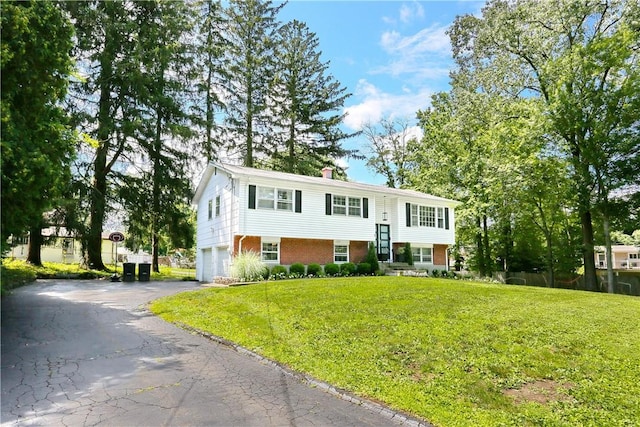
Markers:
304,105
250,31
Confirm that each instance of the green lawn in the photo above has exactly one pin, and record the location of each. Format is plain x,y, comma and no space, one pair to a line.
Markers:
454,353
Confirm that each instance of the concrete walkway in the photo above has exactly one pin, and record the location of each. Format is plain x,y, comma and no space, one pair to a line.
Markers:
84,353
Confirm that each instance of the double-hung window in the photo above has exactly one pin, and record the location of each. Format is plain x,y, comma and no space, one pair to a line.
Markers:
285,200
340,252
270,252
355,206
422,255
275,198
265,198
217,206
339,205
210,209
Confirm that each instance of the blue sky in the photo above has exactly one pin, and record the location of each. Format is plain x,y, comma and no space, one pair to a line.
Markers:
390,55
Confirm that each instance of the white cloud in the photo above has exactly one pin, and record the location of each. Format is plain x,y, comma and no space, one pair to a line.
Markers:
377,104
424,55
411,11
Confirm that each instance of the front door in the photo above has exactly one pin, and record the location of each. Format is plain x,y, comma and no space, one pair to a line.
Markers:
383,241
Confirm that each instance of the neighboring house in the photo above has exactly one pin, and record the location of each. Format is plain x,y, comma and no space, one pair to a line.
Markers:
289,218
62,246
624,257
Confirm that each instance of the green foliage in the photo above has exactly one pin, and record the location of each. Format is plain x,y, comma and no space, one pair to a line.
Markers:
332,269
389,143
364,269
314,270
408,255
307,104
435,272
36,145
372,258
348,269
480,361
297,269
247,266
278,272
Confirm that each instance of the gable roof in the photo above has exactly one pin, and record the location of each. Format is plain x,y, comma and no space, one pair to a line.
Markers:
243,171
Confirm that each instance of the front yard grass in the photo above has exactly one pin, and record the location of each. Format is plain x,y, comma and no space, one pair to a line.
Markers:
454,353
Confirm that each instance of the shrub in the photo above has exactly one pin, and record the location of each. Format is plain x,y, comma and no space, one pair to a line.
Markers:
297,269
247,266
348,269
332,269
314,270
408,255
435,272
364,268
372,258
278,272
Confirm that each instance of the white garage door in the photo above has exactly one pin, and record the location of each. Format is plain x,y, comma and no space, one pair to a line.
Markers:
222,262
207,265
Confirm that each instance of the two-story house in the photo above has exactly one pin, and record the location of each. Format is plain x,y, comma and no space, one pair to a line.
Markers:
289,218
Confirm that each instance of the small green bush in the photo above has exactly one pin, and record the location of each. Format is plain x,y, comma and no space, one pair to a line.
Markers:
297,269
364,269
314,270
408,254
332,269
278,272
435,272
247,266
348,269
372,258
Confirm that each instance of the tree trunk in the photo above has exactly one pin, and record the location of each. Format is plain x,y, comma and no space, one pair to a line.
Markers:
35,244
488,262
611,278
550,267
480,250
590,277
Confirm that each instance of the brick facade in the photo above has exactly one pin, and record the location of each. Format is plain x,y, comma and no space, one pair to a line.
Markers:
305,251
440,254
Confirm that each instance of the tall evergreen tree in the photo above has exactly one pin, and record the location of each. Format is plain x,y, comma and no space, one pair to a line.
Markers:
104,102
37,146
164,126
210,48
249,60
303,105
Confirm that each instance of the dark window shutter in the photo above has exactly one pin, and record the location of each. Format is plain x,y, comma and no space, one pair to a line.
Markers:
365,207
298,201
252,197
408,214
327,200
446,218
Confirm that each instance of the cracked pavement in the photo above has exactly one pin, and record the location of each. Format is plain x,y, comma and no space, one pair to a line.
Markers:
85,353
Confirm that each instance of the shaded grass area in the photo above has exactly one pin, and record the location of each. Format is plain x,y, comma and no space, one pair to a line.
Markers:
454,353
15,273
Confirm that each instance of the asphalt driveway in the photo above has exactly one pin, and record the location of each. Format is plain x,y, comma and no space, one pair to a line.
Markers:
83,353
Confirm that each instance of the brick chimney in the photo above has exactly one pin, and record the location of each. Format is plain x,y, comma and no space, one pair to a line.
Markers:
327,173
